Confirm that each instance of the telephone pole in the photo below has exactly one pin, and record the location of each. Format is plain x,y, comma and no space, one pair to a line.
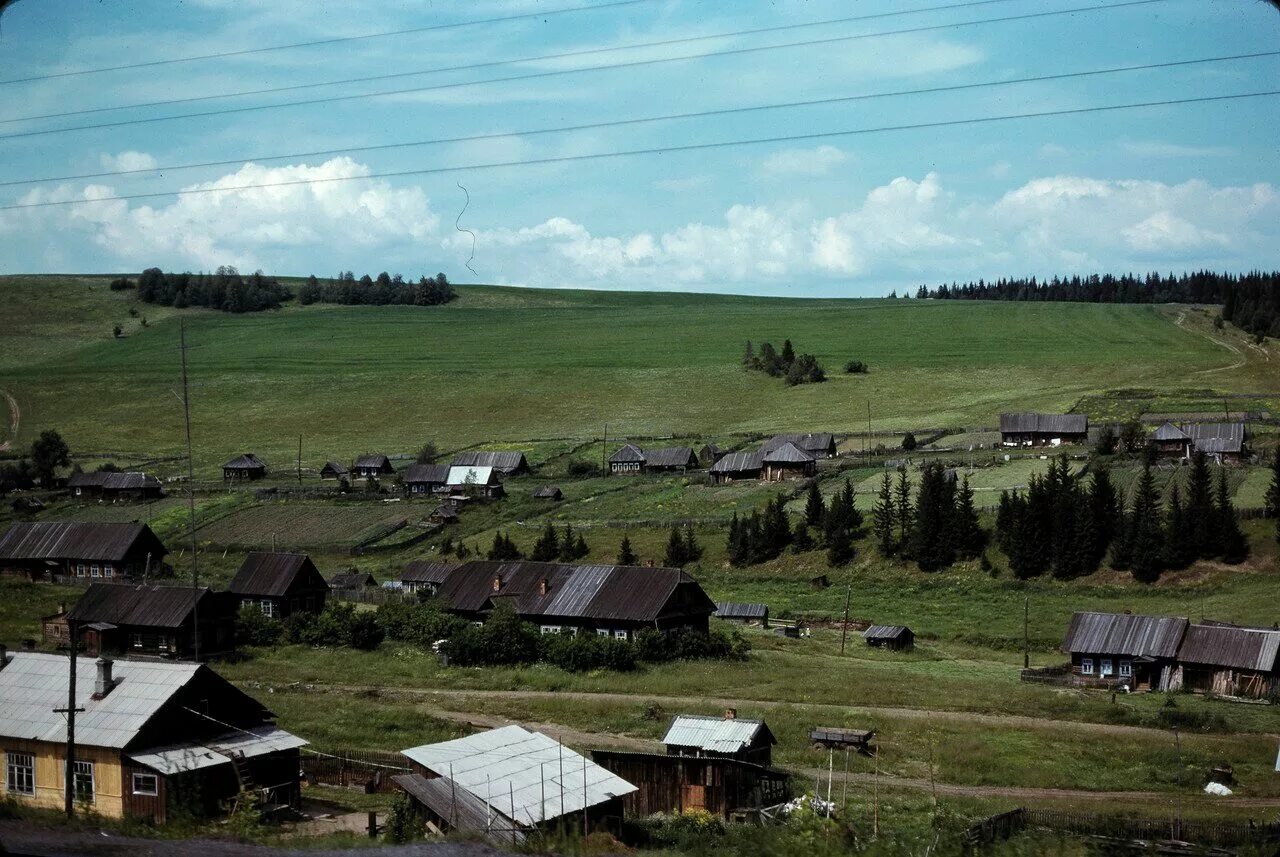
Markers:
299,459
191,491
604,451
1026,633
844,626
69,773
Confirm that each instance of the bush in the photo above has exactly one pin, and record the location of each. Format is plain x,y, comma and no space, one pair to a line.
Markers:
587,651
338,625
584,469
254,628
504,638
420,624
718,644
855,367
120,284
908,442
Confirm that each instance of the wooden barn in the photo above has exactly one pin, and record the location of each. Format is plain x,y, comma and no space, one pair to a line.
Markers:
153,739
710,454
548,492
147,621
508,782
424,479
820,445
746,613
279,584
1171,441
1226,660
114,485
1032,429
244,468
1221,442
334,470
448,512
787,461
609,600
351,582
422,575
1113,649
727,737
372,466
737,466
84,551
723,787
506,462
890,637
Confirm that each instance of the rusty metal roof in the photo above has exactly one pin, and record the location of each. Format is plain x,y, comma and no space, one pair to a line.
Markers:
1125,634
61,540
273,574
1227,646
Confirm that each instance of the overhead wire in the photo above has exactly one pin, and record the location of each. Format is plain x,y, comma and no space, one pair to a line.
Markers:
688,147
585,69
616,123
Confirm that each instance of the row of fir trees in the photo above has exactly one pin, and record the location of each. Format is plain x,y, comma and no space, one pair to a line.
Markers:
935,529
764,535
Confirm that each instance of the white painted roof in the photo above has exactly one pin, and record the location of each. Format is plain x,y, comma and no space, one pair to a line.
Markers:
458,475
711,734
32,684
193,756
513,765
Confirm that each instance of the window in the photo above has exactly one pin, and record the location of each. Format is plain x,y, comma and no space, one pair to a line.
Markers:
95,571
602,632
145,784
137,641
108,571
550,629
268,607
1105,669
1086,666
83,781
22,774
621,635
1126,669
80,570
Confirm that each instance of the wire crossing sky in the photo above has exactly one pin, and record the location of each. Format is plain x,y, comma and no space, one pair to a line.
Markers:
765,147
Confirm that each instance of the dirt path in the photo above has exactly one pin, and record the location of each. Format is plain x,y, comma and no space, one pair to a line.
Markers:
15,418
1243,358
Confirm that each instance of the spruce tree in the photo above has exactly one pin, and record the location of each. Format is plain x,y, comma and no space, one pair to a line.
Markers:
568,544
814,507
801,539
966,532
851,509
1104,514
903,500
580,548
692,550
840,547
1273,492
1178,550
1145,536
788,355
930,543
777,529
1004,521
1234,546
883,517
547,548
675,555
1200,512
626,556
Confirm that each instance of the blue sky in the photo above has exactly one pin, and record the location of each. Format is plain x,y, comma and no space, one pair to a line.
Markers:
1165,188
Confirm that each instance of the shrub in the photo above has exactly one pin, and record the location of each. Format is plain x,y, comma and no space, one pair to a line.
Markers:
584,469
908,442
338,625
420,624
120,284
254,628
504,638
587,651
855,367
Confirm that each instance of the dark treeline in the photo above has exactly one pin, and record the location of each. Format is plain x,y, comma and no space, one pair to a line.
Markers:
762,536
938,528
383,290
786,364
224,289
1249,301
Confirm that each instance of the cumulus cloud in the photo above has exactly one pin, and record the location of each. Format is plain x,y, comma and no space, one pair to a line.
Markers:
127,161
803,162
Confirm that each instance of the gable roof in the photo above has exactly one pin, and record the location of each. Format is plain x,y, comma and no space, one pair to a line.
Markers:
248,461
1228,646
32,684
715,734
594,592
1125,634
114,480
1217,437
1169,432
885,632
374,460
1033,423
627,454
741,610
821,442
463,810
334,467
437,473
351,580
146,606
512,765
426,571
504,461
787,453
739,462
58,540
547,491
671,456
478,475
272,574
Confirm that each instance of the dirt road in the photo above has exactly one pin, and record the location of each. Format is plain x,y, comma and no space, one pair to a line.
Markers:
15,419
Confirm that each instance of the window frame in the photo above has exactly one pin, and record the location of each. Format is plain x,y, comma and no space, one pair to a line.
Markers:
1086,666
80,769
13,763
1126,669
155,784
1106,668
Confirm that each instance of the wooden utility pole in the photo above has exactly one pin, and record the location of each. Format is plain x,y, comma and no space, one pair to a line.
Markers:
868,431
299,459
844,626
604,451
1026,632
191,492
69,772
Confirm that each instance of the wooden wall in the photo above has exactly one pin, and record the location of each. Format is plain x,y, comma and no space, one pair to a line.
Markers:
50,768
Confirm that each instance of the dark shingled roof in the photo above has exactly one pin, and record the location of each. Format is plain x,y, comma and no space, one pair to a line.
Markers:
820,443
1235,648
599,592
741,610
627,454
335,468
148,606
1044,423
248,461
1217,437
114,480
270,574
351,580
886,632
1169,432
739,462
375,460
455,804
672,456
425,571
548,492
505,461
431,473
77,540
1125,634
787,453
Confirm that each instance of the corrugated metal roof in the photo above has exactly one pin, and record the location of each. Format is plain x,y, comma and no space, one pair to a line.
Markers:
1032,423
273,574
741,610
512,764
466,475
885,632
714,734
425,571
32,684
63,540
432,473
459,807
1227,646
376,460
543,492
671,456
739,462
248,461
506,461
1125,634
627,454
1169,432
821,443
787,453
114,480
138,605
194,755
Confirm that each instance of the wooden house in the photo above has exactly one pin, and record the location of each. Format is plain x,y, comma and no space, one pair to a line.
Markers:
627,461
114,485
448,512
820,445
890,637
1032,429
279,584
352,581
737,466
372,466
608,600
787,461
1114,649
1226,660
151,737
244,468
147,621
747,614
508,783
333,470
1221,442
728,737
425,576
548,492
84,551
477,481
1171,441
506,462
425,479
723,787
710,454
631,459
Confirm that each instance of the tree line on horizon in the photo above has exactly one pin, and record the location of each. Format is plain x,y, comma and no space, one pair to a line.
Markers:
224,289
383,290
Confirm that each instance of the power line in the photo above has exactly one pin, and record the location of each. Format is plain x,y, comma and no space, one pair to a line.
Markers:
649,119
333,41
683,40
689,147
562,72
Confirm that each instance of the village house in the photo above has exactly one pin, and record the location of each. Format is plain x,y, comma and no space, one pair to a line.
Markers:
477,481
631,459
1113,649
279,584
1226,660
1221,442
608,600
737,466
1171,441
113,485
787,461
372,466
710,454
244,468
152,738
448,512
351,582
507,462
147,622
729,737
423,575
509,782
746,613
628,460
548,492
83,551
423,479
897,637
333,470
1032,429
821,445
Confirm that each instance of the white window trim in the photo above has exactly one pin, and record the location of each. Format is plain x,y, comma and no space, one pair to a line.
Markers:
1126,669
268,608
155,784
602,632
1086,666
84,768
1106,667
20,761
95,571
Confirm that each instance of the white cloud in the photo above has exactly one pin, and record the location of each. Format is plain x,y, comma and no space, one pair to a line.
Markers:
1160,149
682,185
127,161
803,162
1051,151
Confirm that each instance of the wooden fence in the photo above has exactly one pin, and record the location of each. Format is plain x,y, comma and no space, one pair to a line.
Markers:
370,770
997,828
1203,833
1060,674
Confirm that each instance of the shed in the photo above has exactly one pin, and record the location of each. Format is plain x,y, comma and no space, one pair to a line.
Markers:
1220,441
819,445
352,581
1171,441
372,466
1229,661
787,461
506,462
728,736
671,458
735,466
710,454
1034,429
735,611
115,485
448,512
677,784
246,467
548,492
890,636
280,584
333,470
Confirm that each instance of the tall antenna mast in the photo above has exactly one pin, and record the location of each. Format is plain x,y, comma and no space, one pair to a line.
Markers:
191,492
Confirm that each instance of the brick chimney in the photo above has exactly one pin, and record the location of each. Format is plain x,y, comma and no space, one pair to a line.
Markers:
730,714
543,586
497,582
104,682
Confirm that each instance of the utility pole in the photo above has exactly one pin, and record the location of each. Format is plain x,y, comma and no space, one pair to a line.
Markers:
868,431
191,492
69,772
1026,632
299,459
604,451
844,626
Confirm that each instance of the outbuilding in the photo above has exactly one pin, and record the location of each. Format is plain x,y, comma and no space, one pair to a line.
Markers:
890,637
746,613
819,445
244,468
372,466
114,485
423,575
548,492
333,470
1226,660
787,461
737,466
1033,429
728,737
506,462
